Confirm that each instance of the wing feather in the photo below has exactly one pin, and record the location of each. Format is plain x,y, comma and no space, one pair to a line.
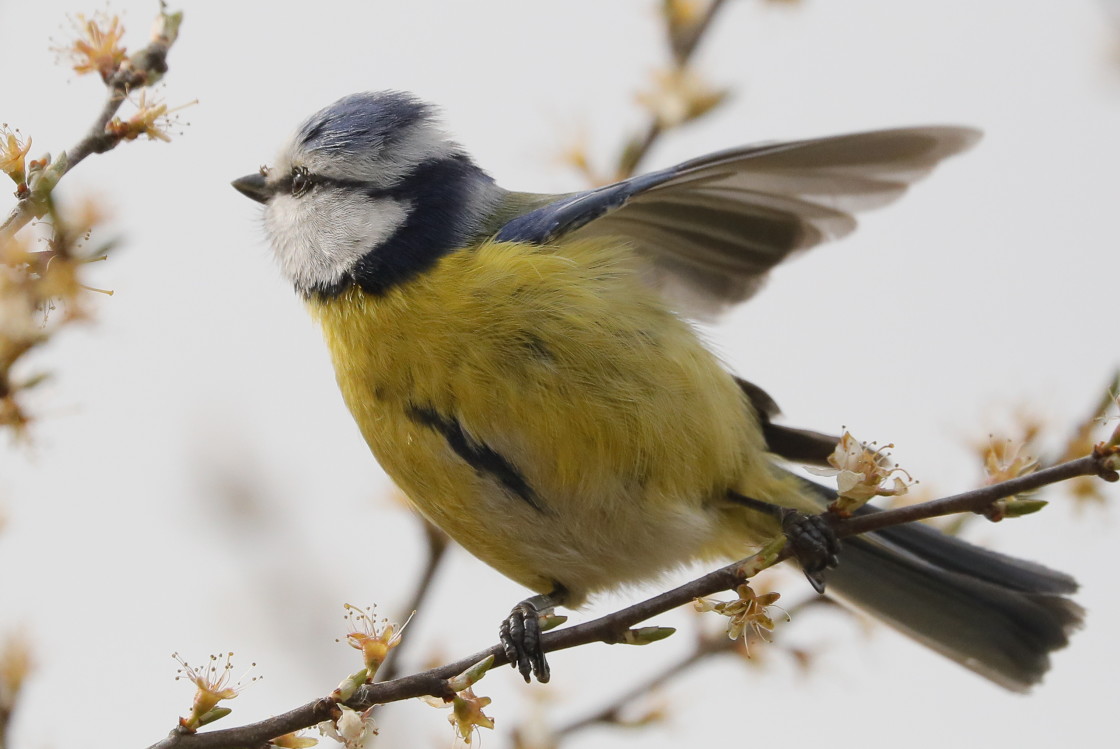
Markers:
711,228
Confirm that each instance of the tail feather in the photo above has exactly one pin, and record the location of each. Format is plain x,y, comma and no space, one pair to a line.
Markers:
992,613
1004,634
951,553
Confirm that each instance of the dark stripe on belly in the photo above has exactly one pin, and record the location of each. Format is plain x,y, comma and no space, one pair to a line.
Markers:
479,456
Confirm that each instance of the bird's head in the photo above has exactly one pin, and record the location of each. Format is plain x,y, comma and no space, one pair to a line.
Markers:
368,190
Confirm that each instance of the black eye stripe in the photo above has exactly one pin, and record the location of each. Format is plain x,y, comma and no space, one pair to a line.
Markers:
289,184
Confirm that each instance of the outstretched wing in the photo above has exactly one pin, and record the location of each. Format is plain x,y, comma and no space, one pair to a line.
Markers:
712,227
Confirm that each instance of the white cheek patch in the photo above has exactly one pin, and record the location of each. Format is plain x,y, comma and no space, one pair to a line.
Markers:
319,237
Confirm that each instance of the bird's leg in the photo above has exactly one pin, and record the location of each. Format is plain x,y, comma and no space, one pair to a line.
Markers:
520,634
811,538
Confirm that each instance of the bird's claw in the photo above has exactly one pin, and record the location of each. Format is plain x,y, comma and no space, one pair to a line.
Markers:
520,634
814,544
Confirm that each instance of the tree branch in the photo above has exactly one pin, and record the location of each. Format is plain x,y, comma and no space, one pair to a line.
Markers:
143,68
612,627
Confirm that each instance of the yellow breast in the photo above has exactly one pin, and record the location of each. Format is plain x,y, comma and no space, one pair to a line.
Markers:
556,368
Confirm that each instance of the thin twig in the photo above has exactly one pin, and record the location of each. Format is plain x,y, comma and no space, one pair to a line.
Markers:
611,713
685,44
682,46
143,67
972,501
707,644
437,552
5,718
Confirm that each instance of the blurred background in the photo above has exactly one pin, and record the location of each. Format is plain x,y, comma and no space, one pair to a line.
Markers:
193,482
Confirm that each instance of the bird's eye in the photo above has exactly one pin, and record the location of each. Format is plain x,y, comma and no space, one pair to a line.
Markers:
301,181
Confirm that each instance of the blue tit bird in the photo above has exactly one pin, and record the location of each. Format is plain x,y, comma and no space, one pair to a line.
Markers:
523,366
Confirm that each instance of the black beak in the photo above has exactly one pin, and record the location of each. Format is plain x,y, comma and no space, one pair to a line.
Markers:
253,186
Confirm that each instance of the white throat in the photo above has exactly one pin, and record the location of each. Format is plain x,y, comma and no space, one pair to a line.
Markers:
318,238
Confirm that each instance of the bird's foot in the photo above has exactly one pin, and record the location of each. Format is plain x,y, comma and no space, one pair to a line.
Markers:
811,538
814,544
520,634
